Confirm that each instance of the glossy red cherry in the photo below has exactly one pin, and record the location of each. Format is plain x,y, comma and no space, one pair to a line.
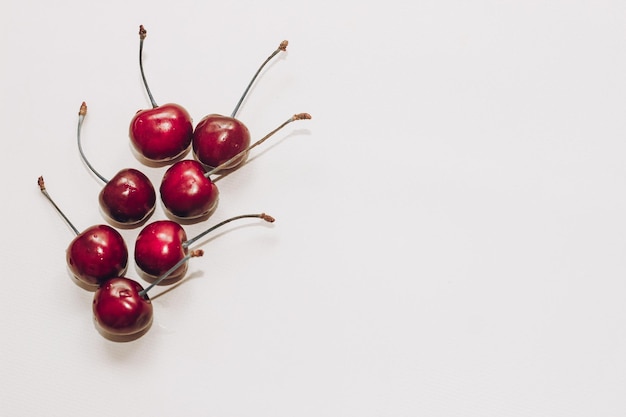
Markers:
158,247
161,244
128,199
95,255
218,139
163,133
187,192
121,307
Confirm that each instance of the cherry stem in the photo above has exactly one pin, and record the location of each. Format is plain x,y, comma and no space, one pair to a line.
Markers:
263,216
299,116
281,47
192,254
42,187
81,116
142,35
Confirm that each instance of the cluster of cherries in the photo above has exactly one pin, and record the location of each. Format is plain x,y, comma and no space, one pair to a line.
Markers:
97,257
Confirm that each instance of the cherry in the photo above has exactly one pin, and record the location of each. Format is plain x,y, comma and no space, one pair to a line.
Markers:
121,307
163,243
187,191
95,255
217,138
163,133
128,199
119,310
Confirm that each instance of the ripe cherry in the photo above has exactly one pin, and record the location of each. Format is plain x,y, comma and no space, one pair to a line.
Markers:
163,133
163,243
128,199
121,307
187,191
217,138
95,255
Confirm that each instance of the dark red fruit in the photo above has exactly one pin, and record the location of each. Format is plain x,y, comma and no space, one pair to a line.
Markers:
221,140
158,247
218,138
128,198
162,133
119,309
95,255
186,192
162,244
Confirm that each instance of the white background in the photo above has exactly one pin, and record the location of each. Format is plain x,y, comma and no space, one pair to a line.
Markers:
451,224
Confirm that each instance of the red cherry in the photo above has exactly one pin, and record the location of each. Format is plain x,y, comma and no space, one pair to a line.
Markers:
158,247
187,192
217,138
128,199
161,244
228,163
163,133
95,255
121,307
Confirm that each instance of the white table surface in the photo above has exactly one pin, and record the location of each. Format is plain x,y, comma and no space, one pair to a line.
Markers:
451,224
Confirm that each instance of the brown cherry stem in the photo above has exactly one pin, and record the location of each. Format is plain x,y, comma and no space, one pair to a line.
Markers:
81,117
192,254
263,216
42,187
299,116
281,47
142,35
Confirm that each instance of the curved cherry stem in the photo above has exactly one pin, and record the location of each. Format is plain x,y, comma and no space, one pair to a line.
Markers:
263,216
299,116
42,187
281,47
142,35
192,254
81,116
